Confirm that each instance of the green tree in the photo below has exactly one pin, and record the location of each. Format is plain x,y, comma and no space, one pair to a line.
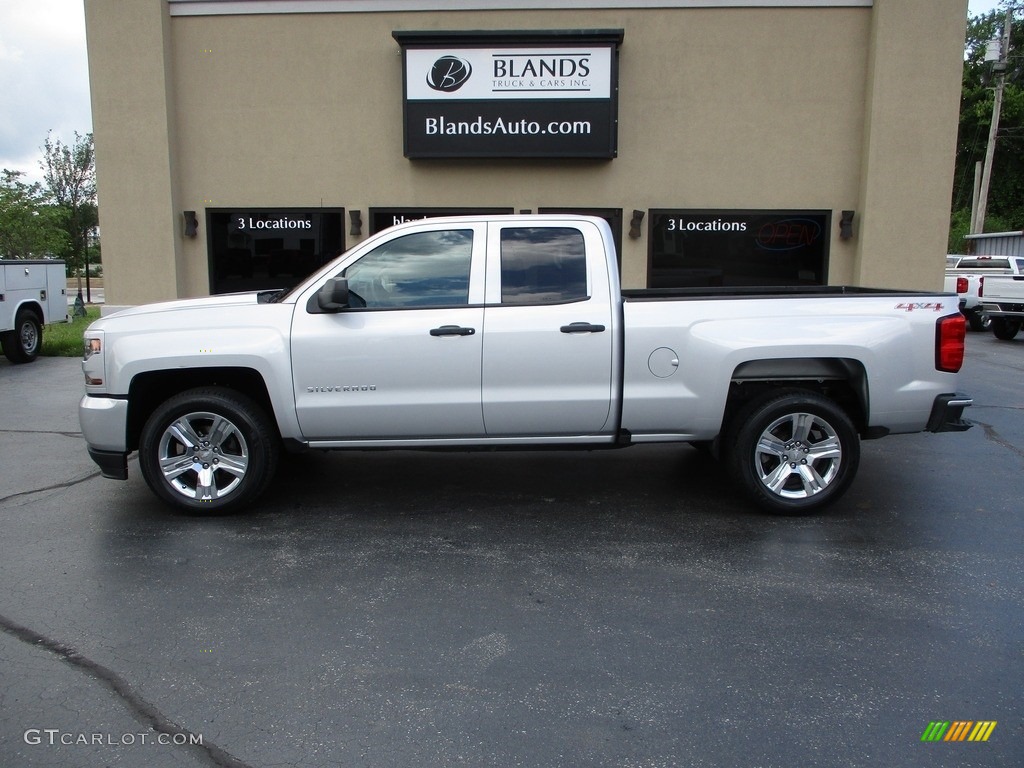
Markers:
29,228
1006,190
69,175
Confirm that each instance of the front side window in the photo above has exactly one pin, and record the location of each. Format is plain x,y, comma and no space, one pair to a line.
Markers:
542,265
425,269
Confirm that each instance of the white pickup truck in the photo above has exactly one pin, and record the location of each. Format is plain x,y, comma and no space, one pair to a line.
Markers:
32,294
503,332
1002,299
964,279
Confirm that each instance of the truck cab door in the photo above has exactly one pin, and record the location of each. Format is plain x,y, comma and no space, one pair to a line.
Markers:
402,360
549,331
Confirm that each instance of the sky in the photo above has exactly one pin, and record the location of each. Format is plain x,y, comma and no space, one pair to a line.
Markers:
44,77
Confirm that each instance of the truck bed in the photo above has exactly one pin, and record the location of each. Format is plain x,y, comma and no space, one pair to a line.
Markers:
762,292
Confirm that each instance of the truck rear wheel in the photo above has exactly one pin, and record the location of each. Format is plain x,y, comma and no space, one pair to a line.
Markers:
22,345
977,321
793,451
208,450
1005,329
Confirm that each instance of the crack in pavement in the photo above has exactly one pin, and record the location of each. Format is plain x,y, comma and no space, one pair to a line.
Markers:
55,486
145,712
993,436
39,432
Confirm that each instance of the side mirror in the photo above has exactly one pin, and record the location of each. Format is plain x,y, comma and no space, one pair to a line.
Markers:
333,296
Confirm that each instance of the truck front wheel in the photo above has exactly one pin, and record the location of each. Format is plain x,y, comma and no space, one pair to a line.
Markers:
793,451
208,450
22,345
1004,329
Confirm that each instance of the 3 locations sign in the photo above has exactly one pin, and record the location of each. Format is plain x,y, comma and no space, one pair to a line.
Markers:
534,94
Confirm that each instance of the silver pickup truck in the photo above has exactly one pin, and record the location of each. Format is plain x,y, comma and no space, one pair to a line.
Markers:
512,331
1002,299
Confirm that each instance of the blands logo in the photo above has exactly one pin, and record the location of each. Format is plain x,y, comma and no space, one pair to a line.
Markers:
449,73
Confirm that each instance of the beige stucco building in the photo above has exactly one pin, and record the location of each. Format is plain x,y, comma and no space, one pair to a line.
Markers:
240,143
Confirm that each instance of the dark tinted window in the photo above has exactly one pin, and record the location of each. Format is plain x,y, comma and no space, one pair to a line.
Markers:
253,249
984,262
542,265
699,248
426,269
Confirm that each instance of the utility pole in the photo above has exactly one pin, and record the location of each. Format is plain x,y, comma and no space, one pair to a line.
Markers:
999,67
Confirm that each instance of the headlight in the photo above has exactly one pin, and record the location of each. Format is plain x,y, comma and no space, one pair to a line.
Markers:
93,346
92,359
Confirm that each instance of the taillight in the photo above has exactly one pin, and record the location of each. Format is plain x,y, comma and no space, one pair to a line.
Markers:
981,287
961,285
950,333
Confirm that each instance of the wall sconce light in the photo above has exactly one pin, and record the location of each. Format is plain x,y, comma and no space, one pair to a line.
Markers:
191,223
846,225
356,220
634,224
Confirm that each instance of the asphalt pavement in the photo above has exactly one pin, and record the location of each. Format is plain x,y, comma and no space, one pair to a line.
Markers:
623,608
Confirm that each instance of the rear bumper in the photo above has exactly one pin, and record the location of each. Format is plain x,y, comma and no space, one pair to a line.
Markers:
947,413
1008,310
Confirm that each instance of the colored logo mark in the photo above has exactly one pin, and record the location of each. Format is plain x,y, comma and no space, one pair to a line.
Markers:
958,730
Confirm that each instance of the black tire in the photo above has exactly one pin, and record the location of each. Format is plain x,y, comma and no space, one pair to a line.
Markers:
210,450
24,342
793,451
977,321
1004,329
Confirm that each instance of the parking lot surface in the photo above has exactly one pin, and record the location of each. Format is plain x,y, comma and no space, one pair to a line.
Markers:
623,608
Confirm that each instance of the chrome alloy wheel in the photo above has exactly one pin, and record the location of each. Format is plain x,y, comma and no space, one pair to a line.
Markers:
203,456
798,456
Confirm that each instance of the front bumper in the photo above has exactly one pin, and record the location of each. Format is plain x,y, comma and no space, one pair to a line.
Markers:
947,413
112,464
104,423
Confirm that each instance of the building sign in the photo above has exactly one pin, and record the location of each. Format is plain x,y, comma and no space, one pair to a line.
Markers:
530,94
270,222
738,248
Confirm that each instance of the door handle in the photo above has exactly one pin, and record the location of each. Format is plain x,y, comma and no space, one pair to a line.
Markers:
452,330
582,328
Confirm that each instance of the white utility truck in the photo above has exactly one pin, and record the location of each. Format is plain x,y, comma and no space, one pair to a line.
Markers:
511,332
32,294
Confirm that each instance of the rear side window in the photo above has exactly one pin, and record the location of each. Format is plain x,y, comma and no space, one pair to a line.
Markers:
542,265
